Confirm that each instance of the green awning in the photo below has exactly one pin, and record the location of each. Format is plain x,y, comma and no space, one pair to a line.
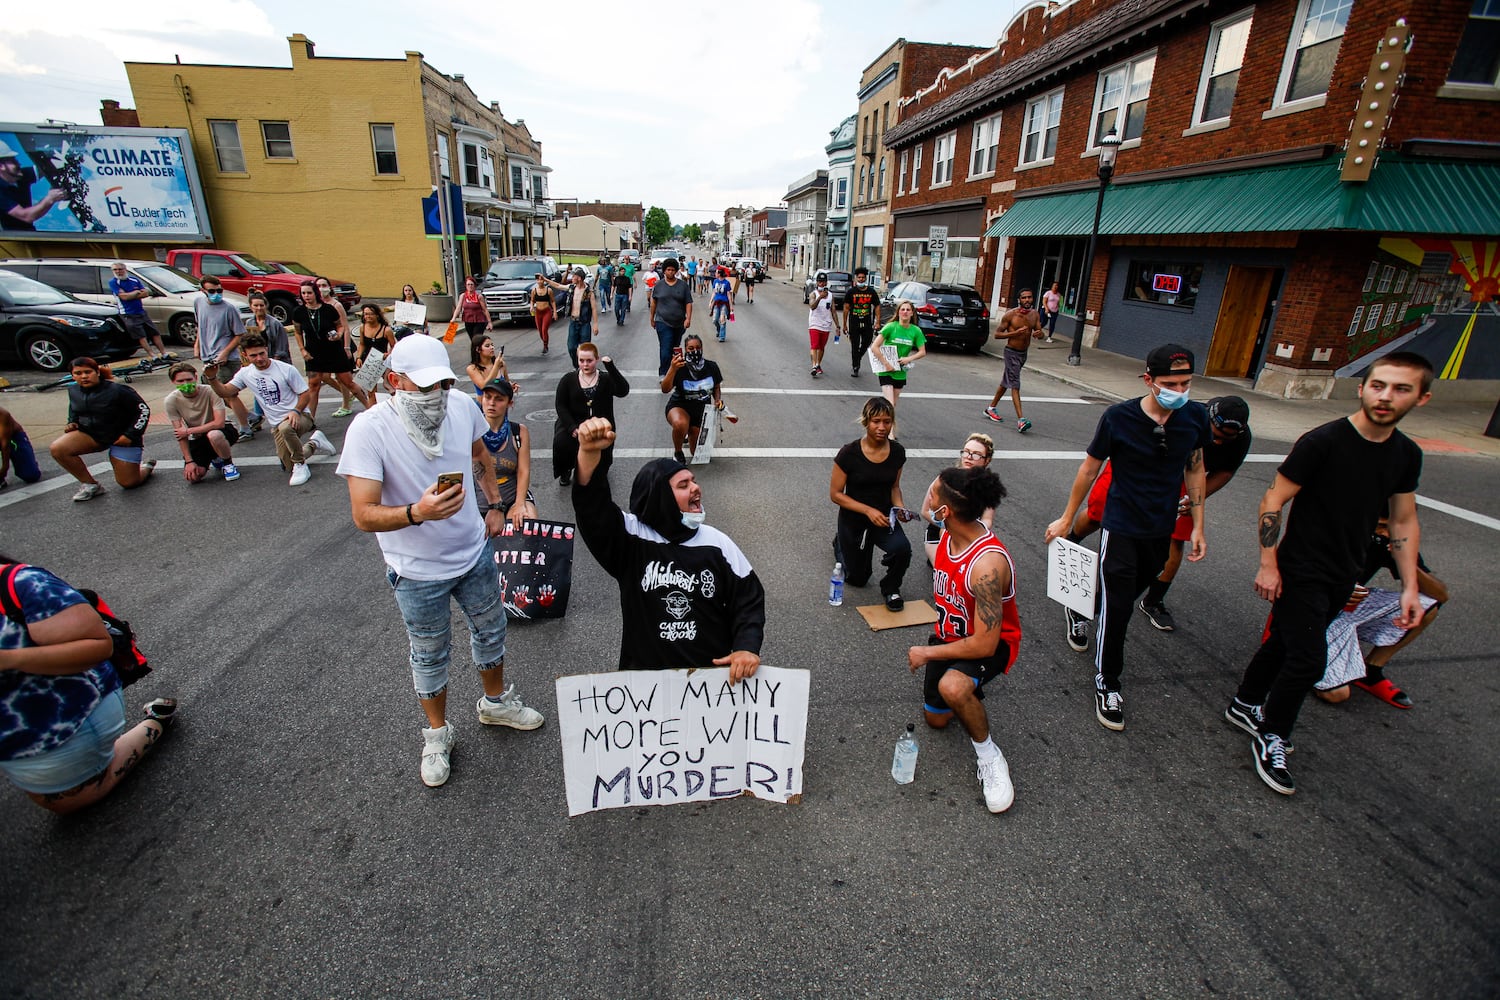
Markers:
1402,196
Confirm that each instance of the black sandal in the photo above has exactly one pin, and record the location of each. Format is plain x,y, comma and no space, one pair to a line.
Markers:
161,710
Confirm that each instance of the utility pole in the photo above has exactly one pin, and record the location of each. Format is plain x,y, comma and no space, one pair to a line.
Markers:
445,224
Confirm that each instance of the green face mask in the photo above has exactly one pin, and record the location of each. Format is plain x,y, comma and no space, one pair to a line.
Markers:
187,388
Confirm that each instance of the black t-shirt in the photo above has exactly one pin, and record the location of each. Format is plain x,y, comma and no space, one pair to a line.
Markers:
1146,481
868,482
861,301
1345,483
622,281
1226,457
1378,557
695,386
320,332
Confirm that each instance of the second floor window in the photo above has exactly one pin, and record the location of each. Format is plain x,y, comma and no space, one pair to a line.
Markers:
1120,101
227,151
880,182
942,159
1477,60
277,137
916,168
1221,68
841,193
901,174
1039,135
1314,46
383,140
985,151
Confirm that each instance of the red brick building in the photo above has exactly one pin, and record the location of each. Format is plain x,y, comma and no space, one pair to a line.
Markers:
1227,226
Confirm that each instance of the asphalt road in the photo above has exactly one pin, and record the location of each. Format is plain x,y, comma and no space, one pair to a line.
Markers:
281,843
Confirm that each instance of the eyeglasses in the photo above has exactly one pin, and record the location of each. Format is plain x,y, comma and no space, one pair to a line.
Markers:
970,453
1159,434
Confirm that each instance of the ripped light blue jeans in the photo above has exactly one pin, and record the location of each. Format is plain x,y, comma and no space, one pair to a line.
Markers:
425,610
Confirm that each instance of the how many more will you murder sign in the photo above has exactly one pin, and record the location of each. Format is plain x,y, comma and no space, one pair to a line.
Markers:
660,737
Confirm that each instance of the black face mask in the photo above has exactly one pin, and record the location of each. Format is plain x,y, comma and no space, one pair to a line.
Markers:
693,357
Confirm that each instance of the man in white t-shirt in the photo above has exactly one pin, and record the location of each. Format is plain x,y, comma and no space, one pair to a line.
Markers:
284,397
434,540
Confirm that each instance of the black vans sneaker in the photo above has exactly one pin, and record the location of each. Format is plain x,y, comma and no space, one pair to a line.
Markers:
1108,709
1246,717
1270,762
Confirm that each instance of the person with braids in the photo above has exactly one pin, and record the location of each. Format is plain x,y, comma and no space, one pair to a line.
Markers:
978,631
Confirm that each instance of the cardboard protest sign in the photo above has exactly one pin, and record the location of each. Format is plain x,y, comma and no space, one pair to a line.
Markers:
660,737
1072,576
536,568
411,313
371,373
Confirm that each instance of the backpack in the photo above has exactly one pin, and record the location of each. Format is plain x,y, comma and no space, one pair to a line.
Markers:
126,657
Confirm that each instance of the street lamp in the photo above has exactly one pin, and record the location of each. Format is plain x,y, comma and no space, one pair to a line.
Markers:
604,239
1108,147
559,227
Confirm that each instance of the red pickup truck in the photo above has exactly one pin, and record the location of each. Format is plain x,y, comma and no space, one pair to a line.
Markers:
244,273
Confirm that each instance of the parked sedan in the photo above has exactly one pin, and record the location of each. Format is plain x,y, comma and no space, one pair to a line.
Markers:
947,314
347,292
46,328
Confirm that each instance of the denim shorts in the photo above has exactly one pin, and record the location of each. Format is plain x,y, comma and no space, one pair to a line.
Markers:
126,453
85,755
425,610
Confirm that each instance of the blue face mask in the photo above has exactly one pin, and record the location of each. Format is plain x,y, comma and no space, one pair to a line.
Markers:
693,519
1169,399
215,297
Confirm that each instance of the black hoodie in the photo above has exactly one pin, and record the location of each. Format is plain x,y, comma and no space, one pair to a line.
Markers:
687,596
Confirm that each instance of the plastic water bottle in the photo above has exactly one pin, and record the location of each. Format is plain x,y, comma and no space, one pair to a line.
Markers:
836,333
904,767
836,586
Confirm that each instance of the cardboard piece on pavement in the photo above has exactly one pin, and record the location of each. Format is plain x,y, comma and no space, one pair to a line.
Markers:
915,613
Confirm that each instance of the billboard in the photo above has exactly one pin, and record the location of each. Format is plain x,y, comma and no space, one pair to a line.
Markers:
99,184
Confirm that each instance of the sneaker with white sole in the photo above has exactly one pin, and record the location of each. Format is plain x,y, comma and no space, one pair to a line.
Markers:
319,441
1078,630
993,414
999,793
231,472
300,474
1108,709
87,492
1243,716
436,748
1270,753
508,711
1160,618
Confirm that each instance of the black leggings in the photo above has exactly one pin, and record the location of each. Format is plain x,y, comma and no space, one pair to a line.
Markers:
857,541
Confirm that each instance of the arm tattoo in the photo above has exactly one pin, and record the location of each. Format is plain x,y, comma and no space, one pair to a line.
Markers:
1195,460
1270,529
989,598
1195,498
1398,544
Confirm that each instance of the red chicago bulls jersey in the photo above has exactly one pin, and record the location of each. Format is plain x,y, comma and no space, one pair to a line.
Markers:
955,601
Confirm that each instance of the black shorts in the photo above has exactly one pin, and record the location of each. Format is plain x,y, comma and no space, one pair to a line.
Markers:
693,410
982,671
886,378
202,452
329,364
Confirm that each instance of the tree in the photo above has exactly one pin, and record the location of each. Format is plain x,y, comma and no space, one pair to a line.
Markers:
692,232
658,226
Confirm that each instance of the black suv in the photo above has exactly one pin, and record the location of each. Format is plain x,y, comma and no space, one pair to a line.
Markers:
46,328
947,314
506,286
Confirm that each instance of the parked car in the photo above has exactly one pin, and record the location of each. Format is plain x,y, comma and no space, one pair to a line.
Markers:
751,270
46,328
347,294
243,273
839,283
630,255
506,285
170,304
947,314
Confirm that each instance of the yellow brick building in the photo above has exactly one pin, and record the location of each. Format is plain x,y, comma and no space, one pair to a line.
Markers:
327,161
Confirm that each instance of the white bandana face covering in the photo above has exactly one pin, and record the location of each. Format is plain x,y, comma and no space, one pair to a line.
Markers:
422,415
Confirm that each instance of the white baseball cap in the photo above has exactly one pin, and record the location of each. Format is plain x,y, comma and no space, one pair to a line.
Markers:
422,359
6,153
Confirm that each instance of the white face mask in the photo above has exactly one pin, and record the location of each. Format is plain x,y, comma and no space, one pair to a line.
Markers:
693,519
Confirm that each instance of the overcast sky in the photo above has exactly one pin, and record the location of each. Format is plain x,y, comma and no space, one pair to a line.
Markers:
614,90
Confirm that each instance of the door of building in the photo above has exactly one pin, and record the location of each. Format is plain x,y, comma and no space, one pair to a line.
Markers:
1247,295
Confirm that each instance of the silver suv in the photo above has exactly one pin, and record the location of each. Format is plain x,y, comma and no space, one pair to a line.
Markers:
506,285
170,304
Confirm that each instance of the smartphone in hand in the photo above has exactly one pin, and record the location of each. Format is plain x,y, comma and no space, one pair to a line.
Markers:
447,480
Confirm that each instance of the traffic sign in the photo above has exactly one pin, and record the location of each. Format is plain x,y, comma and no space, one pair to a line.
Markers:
937,239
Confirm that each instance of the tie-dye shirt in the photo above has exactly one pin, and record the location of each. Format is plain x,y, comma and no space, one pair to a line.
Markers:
38,712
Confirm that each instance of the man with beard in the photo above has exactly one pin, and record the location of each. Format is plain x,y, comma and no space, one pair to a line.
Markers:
861,318
1341,475
688,595
410,466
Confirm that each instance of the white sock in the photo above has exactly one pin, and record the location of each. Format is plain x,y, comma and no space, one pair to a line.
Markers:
986,750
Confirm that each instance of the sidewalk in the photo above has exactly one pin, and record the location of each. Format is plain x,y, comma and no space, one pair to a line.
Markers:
1452,427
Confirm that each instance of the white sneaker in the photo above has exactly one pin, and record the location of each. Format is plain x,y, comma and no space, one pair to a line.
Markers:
320,441
999,793
300,474
509,711
435,751
87,492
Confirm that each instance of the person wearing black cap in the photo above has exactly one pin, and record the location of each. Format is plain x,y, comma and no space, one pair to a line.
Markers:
688,595
1149,441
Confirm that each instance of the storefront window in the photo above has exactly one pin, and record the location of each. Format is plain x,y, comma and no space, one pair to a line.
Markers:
1165,283
912,262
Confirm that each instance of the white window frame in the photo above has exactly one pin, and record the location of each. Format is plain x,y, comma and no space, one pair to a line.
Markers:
901,174
1370,275
518,183
1372,318
841,194
1490,12
1211,55
1386,274
1131,69
230,159
1390,313
266,140
1281,103
1052,103
445,162
1359,312
984,148
942,168
880,184
376,151
916,167
1401,282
